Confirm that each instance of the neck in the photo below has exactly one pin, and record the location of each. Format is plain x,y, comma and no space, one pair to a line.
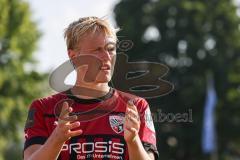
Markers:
90,90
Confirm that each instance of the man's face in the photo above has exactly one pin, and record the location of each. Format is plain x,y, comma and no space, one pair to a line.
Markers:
101,48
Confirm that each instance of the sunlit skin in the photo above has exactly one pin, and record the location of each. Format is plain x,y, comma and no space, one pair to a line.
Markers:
102,47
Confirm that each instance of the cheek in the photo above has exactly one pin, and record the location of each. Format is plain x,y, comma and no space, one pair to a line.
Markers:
113,60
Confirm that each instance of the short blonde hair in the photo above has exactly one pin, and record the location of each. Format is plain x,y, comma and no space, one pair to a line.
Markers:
75,31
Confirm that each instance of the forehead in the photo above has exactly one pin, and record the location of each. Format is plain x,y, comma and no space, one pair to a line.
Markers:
91,41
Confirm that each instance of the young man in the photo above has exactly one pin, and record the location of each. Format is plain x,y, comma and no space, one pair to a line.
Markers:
91,120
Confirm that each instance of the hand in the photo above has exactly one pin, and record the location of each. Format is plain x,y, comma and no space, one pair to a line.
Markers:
65,124
132,122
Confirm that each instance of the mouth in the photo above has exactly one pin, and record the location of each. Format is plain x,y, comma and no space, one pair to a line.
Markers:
105,67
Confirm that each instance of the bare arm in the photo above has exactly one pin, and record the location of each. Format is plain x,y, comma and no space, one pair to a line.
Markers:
52,147
131,127
50,150
137,151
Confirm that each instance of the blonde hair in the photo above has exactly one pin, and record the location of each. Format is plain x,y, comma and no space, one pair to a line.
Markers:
75,31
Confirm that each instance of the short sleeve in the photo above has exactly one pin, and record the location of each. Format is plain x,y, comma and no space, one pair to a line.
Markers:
35,128
147,132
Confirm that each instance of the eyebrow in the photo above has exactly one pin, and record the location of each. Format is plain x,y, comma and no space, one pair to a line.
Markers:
111,42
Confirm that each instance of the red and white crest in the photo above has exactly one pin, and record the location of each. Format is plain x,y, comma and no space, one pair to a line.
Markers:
116,122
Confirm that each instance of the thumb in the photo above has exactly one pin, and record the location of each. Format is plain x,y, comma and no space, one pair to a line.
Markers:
134,131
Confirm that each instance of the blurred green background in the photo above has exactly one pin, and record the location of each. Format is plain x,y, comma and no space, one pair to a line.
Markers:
194,38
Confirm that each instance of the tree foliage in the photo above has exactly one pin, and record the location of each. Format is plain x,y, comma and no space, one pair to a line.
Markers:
18,83
194,38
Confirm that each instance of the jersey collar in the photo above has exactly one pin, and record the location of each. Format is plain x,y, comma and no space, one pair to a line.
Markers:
90,101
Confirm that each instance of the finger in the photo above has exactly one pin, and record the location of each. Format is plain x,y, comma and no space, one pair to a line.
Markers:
75,133
66,120
132,113
73,125
131,102
70,118
130,121
65,109
134,120
131,105
126,122
133,130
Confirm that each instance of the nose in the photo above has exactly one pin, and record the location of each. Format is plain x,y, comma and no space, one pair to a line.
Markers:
105,56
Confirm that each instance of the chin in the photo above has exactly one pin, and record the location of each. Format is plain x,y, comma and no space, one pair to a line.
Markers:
103,79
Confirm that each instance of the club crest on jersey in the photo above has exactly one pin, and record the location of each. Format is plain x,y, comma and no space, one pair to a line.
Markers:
116,122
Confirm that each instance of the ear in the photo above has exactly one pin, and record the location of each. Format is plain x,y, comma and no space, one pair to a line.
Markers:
71,53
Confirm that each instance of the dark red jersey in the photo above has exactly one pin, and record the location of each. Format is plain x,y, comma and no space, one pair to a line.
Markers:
101,121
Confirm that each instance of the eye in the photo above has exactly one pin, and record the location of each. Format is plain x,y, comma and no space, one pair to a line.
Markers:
111,48
97,50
